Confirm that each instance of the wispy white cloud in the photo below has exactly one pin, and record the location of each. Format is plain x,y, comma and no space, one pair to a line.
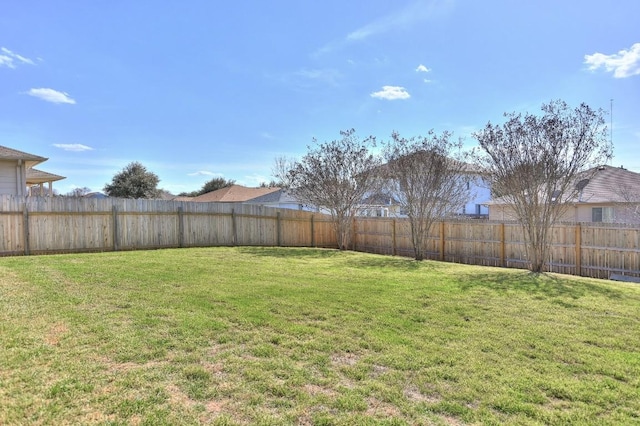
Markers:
204,173
309,79
625,63
253,180
422,68
416,12
51,95
9,59
326,75
77,147
391,93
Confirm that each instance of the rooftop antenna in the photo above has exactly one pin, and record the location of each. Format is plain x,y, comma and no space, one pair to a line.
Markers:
611,126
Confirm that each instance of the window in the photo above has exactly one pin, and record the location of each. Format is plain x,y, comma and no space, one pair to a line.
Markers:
602,214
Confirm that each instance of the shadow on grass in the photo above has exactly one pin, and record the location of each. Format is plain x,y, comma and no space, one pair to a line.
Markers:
347,258
399,263
291,252
550,286
495,279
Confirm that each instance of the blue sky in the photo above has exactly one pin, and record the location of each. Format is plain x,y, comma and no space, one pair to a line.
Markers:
199,89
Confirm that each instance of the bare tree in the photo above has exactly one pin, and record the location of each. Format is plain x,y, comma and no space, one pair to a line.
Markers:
629,202
533,162
42,189
429,179
280,170
78,192
334,176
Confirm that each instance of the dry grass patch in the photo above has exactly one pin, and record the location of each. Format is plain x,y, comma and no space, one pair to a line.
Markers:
55,333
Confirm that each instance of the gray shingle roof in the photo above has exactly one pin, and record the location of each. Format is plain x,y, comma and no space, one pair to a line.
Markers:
608,185
602,185
279,196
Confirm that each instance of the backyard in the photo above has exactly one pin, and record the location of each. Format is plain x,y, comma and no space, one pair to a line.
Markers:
272,336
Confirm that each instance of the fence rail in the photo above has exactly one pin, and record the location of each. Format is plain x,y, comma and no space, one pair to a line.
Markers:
586,249
39,225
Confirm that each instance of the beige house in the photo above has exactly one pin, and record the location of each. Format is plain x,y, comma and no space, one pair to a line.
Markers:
18,177
610,195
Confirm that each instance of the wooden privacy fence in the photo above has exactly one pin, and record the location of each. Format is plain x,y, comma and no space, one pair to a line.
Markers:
587,249
38,225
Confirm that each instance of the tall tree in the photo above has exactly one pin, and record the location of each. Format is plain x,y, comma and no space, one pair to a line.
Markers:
215,184
334,176
430,180
209,186
534,162
134,181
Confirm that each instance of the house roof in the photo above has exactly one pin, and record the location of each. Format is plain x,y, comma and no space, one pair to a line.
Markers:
234,194
279,196
15,155
379,199
95,195
602,185
35,176
464,167
609,184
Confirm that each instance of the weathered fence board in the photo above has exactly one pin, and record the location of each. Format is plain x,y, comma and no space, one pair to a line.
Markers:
586,249
36,225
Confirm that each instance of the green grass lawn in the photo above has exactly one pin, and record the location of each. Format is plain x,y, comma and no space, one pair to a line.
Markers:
276,336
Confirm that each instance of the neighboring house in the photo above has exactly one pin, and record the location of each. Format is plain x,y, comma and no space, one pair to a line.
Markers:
479,193
379,205
18,177
610,195
270,197
229,194
387,205
96,194
280,199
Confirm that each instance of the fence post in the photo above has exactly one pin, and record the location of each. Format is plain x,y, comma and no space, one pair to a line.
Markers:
442,241
394,249
278,229
25,228
234,227
180,227
313,236
114,227
578,249
354,235
502,246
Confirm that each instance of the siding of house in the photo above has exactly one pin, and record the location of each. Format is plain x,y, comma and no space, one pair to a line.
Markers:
620,213
502,212
480,194
9,178
575,213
